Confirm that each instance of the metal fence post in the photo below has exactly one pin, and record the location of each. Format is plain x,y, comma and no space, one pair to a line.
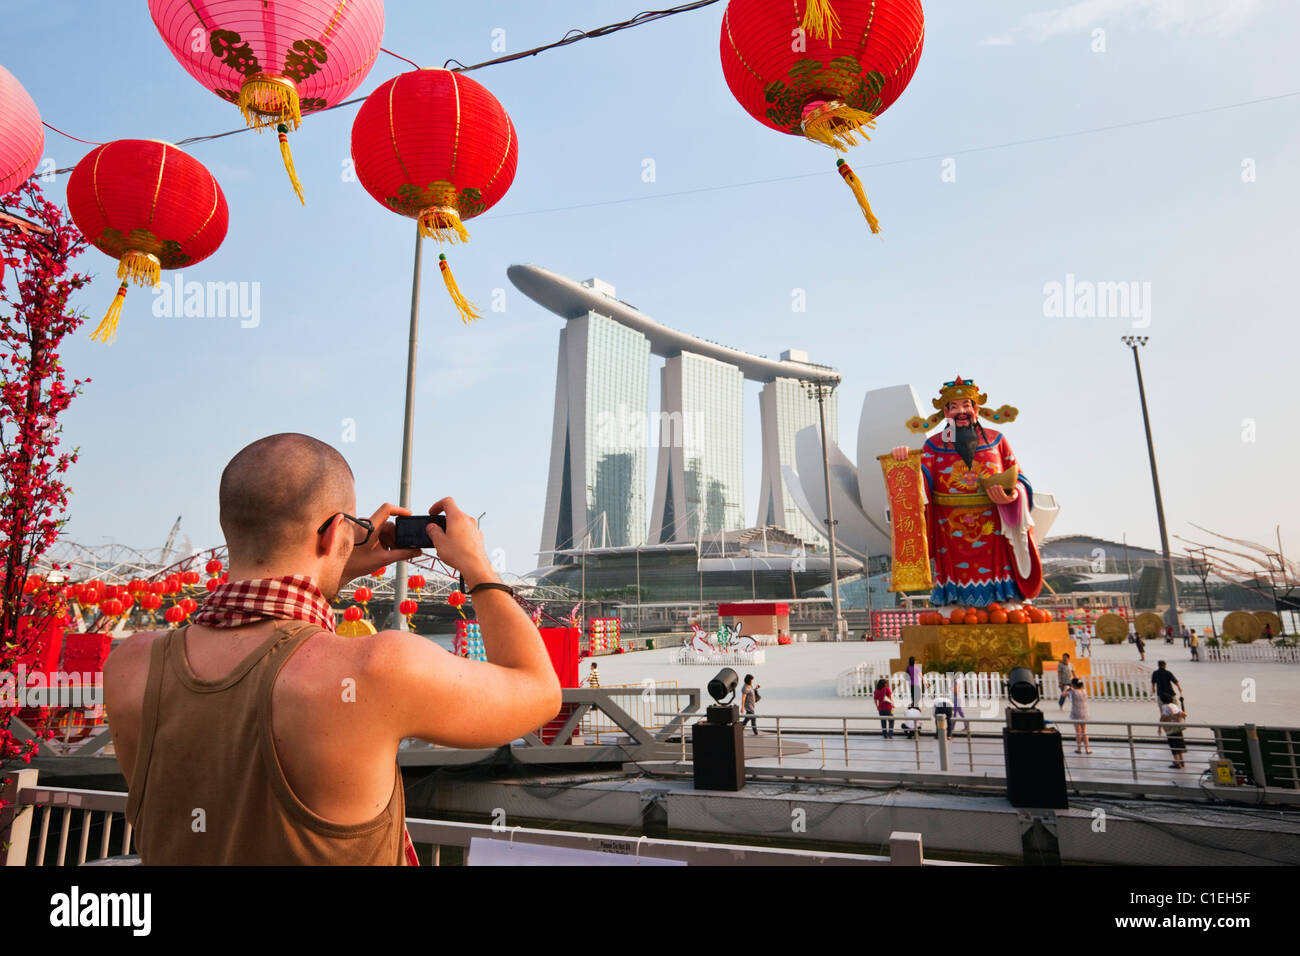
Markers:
15,819
905,849
1132,754
941,729
1256,756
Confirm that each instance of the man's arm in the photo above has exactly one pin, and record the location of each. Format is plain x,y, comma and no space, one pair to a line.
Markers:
457,702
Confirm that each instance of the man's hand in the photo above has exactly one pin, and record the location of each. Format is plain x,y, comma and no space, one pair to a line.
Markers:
378,551
999,496
461,545
901,452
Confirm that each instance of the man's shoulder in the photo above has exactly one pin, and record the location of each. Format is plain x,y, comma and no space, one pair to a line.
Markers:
131,653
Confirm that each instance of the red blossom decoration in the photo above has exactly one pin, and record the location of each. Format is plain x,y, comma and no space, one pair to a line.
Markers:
37,245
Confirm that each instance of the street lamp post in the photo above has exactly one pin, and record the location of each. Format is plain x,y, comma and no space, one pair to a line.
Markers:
404,491
1134,342
821,388
1203,571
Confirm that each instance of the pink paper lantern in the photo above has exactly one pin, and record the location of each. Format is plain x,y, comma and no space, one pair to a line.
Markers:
274,59
22,138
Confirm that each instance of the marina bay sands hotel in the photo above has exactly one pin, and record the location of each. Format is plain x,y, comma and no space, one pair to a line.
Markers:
602,427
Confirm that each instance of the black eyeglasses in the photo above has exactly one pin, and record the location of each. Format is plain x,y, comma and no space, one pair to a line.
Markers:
363,524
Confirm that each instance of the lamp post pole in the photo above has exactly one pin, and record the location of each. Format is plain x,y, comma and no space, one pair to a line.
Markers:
1203,569
404,490
1134,342
821,388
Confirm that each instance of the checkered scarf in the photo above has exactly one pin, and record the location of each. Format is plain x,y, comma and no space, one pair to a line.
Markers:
294,597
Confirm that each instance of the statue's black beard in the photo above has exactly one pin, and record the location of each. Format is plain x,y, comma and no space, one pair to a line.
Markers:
965,439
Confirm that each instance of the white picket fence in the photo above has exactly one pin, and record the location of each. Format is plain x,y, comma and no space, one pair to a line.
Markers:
684,655
1255,651
1109,680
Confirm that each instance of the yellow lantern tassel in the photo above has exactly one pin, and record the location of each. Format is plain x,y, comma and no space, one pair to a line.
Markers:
820,20
859,194
142,268
106,329
442,223
288,161
266,99
467,311
836,124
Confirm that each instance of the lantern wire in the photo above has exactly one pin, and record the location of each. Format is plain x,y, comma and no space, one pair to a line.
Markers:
70,136
573,36
399,56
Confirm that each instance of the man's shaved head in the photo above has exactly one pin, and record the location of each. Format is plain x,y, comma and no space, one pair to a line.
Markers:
276,492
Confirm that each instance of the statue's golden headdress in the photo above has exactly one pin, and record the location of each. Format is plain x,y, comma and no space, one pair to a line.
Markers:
955,391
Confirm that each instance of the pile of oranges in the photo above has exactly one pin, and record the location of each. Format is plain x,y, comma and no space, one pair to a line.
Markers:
993,614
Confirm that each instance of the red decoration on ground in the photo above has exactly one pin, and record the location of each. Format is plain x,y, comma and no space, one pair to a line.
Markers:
149,205
274,59
437,147
22,138
823,69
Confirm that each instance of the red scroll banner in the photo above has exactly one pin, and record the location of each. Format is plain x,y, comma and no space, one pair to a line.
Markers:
909,543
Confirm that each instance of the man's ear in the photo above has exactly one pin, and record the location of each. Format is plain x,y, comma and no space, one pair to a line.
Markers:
328,543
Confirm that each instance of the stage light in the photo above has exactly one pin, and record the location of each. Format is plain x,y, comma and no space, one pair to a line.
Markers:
1022,689
724,684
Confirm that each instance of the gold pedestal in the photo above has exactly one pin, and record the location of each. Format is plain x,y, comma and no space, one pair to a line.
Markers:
992,647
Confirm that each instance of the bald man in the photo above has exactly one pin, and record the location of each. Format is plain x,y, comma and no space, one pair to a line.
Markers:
255,734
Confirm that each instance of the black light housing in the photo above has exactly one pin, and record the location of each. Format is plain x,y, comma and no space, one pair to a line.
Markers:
724,684
1022,688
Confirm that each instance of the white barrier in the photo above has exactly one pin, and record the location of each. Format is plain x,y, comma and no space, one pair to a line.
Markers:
685,655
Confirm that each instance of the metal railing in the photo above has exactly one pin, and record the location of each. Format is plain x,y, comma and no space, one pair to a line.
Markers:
1109,680
1254,651
1130,754
433,836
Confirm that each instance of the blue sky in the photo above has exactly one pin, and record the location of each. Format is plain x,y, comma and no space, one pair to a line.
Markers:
1203,208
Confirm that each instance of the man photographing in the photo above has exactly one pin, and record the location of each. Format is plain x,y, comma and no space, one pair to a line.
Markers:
257,736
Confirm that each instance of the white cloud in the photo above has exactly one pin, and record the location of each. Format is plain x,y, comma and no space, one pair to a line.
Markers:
1206,17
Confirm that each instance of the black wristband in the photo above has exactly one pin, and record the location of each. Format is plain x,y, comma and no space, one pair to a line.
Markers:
492,586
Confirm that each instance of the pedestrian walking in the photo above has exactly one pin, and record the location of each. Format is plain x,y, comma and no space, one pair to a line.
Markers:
1196,644
914,679
885,707
748,700
1171,719
1087,640
1163,681
1142,648
1187,637
958,706
593,676
1079,714
1064,674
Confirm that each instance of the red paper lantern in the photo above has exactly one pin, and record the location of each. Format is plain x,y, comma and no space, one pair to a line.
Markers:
190,577
22,138
211,584
457,598
379,572
352,614
407,608
824,69
157,587
362,595
274,59
111,606
416,581
213,566
437,147
188,605
174,615
149,205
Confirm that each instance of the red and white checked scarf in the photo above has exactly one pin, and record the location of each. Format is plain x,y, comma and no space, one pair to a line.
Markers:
294,597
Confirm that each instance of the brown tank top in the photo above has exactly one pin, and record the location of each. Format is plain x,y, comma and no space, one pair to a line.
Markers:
208,746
